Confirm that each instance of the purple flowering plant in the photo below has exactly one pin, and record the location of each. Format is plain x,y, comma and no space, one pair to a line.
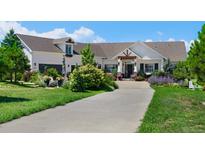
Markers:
160,80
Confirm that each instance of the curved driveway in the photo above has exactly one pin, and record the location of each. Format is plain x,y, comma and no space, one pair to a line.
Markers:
113,112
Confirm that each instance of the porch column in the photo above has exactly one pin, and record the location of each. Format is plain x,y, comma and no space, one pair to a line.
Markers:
119,66
135,66
162,65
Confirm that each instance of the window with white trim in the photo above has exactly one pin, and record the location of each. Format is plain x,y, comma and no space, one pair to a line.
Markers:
68,49
149,68
110,67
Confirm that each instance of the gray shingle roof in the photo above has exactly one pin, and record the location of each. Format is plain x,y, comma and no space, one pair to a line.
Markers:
104,49
175,51
39,43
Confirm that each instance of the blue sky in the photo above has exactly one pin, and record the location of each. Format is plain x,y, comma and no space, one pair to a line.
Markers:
108,31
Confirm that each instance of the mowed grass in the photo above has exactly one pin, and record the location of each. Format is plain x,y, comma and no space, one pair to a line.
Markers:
175,110
17,101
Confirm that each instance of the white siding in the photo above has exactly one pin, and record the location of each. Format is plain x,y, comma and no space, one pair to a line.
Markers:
62,47
42,57
76,59
159,61
28,54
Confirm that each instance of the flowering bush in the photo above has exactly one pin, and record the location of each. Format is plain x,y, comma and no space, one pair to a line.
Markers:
86,77
160,80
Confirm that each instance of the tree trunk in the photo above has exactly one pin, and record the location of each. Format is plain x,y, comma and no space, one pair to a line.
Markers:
11,75
15,76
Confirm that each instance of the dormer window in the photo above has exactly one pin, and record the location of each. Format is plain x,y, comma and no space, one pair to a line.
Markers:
69,49
65,44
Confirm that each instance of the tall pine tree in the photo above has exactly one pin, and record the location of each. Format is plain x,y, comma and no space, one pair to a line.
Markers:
196,56
17,61
87,55
10,39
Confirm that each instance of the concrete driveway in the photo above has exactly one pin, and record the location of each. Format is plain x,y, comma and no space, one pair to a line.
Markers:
113,112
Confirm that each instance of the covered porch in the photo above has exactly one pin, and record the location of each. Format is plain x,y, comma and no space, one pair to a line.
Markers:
131,65
138,58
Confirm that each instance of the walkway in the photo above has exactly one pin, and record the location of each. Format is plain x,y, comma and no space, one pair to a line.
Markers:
113,112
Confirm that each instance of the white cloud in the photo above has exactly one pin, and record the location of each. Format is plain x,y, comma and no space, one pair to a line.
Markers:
187,44
6,26
55,33
99,39
86,35
160,33
82,34
171,40
148,40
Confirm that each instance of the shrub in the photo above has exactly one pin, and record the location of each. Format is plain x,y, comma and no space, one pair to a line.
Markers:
181,71
111,76
115,85
27,76
139,78
66,85
110,81
160,80
203,88
40,83
176,85
19,76
52,72
142,74
159,73
183,83
169,67
114,73
35,77
86,77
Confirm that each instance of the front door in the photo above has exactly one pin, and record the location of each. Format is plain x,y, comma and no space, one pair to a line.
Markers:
128,70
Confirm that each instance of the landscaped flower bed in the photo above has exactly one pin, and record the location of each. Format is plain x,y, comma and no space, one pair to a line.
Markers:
160,80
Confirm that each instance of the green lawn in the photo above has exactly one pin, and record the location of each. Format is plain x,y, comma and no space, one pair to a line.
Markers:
175,110
17,101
